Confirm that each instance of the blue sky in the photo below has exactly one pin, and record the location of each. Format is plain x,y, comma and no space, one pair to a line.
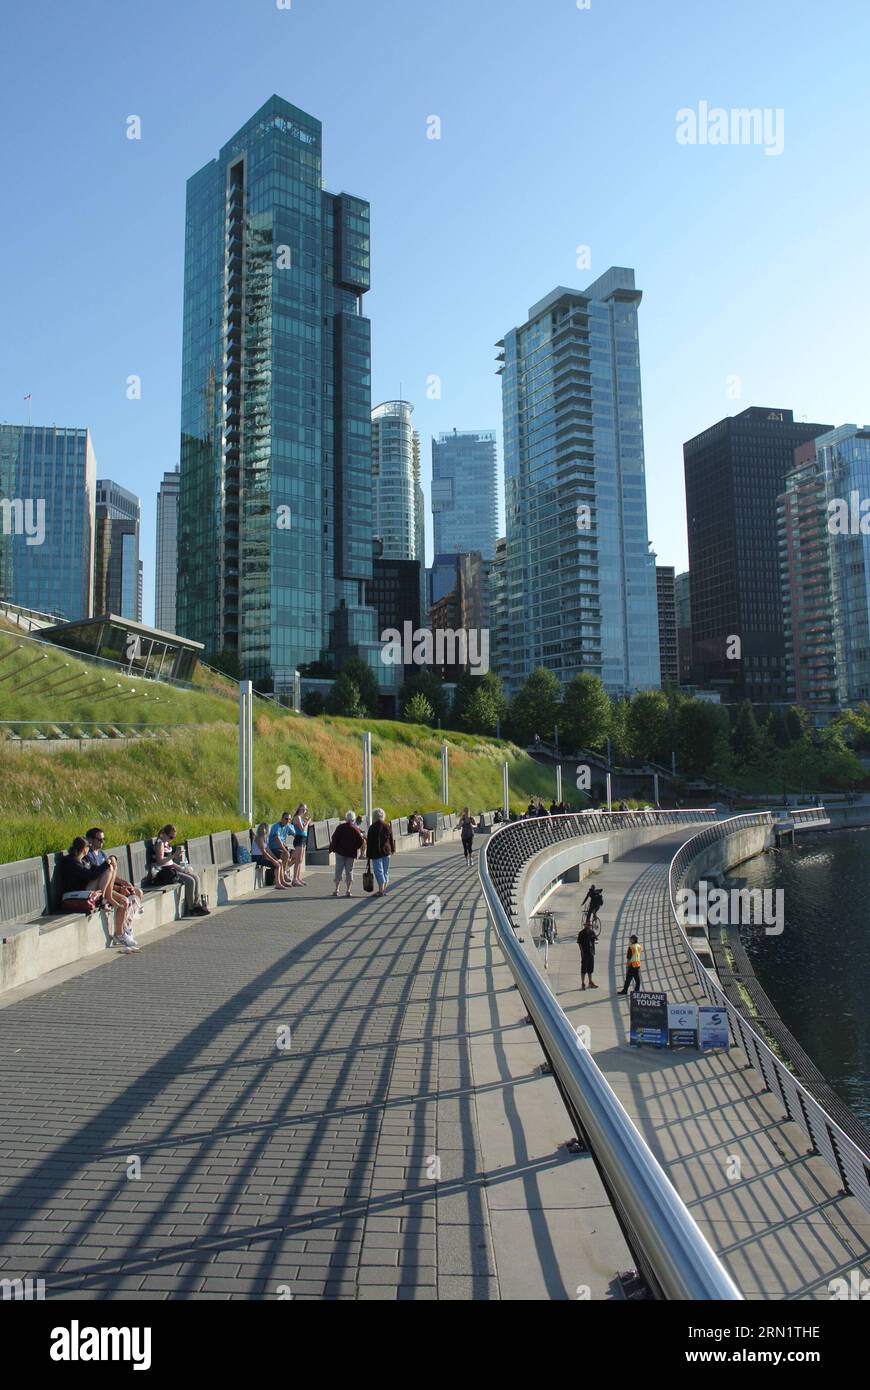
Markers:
558,131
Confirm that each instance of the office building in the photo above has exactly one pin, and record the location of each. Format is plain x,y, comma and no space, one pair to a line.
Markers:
683,604
464,493
734,471
580,577
825,572
166,572
48,479
117,567
275,500
667,608
462,609
396,491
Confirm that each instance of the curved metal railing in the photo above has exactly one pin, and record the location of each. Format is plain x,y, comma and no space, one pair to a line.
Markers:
848,1160
670,1250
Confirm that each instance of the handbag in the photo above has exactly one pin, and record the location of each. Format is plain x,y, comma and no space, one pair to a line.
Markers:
368,878
83,901
168,874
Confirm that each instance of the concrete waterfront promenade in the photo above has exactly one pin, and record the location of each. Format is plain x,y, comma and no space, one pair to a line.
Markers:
402,1144
775,1214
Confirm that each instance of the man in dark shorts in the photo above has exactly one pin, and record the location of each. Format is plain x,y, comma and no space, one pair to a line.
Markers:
586,942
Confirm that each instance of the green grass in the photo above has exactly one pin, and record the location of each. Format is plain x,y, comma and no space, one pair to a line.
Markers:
192,778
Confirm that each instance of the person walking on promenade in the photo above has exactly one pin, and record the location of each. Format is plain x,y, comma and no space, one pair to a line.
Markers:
299,830
632,966
586,942
347,843
467,827
379,846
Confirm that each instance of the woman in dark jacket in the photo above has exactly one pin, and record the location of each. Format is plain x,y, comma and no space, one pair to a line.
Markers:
78,878
379,846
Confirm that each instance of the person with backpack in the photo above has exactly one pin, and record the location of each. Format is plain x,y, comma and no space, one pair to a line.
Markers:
595,899
379,846
467,827
347,844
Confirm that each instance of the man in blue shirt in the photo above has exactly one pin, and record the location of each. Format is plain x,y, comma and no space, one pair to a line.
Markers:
279,834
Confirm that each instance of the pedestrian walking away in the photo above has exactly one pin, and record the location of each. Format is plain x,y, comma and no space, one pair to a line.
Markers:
632,965
467,827
586,942
347,844
379,846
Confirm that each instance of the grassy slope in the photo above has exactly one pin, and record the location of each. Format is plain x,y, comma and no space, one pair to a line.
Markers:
192,778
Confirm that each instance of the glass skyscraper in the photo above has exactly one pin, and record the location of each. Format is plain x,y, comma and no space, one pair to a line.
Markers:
825,571
166,575
464,493
580,581
395,480
117,567
47,497
274,516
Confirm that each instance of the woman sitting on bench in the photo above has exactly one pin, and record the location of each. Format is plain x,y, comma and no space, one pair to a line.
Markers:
78,880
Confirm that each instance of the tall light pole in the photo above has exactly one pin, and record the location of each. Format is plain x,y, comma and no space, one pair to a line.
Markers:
246,751
505,791
445,776
558,784
367,779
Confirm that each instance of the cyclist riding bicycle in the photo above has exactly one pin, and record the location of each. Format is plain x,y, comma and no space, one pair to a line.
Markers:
595,899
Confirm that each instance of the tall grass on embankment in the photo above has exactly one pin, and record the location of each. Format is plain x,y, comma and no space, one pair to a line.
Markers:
191,778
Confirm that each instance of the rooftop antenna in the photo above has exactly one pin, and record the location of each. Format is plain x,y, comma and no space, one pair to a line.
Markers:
29,399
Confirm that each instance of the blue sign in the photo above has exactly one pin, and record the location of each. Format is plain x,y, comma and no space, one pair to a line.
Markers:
683,1025
712,1028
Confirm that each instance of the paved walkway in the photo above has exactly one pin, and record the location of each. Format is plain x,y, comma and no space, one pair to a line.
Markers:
777,1216
157,1142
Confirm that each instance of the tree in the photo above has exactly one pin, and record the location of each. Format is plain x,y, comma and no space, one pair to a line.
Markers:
721,766
365,681
698,722
798,722
423,682
777,726
485,709
418,710
344,698
584,720
649,724
621,746
228,663
313,703
479,703
535,707
745,738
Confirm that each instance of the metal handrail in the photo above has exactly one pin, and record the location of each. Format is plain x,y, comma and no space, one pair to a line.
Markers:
671,1252
848,1160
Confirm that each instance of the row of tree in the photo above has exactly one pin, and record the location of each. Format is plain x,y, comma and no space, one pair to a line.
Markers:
732,745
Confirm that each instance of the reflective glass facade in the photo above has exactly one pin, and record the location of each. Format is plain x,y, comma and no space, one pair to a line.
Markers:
117,567
47,473
167,552
396,480
844,456
580,584
464,492
274,517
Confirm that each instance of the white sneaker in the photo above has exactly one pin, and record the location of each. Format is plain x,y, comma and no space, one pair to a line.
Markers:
128,939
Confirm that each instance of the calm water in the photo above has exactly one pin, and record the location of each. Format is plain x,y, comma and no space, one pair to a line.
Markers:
818,971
